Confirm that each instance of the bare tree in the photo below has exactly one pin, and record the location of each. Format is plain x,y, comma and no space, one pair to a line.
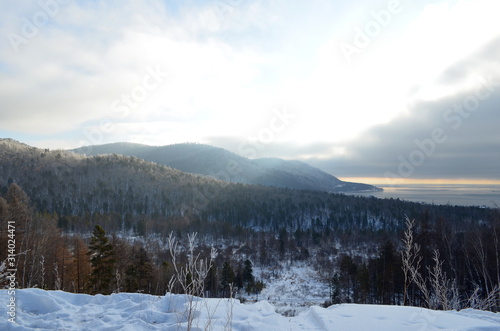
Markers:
482,256
411,262
440,284
489,302
438,291
191,277
58,282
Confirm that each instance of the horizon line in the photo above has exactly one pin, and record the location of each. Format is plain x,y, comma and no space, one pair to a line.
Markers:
382,181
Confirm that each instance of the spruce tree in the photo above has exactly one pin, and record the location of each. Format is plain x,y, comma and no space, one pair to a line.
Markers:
211,282
139,273
102,260
248,272
248,278
227,277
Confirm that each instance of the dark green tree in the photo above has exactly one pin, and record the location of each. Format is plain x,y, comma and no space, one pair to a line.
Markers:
335,289
387,268
139,274
227,278
102,260
258,287
248,278
211,282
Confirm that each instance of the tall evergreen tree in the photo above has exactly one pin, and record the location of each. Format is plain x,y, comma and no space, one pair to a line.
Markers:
227,277
139,273
248,278
335,289
387,267
211,282
102,260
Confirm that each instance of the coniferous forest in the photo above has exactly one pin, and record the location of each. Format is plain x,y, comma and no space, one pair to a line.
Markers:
107,223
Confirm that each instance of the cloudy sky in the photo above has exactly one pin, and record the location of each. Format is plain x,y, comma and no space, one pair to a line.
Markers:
384,89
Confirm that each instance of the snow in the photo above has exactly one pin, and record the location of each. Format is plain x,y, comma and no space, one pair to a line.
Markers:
37,309
292,288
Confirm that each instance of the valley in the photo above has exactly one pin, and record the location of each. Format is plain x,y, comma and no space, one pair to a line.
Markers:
330,247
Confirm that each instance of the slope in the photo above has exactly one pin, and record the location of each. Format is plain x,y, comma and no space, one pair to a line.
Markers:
224,165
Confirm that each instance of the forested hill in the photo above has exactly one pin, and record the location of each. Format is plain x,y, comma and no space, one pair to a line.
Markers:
222,164
129,193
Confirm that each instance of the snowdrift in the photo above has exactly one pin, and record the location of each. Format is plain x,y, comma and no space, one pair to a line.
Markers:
37,309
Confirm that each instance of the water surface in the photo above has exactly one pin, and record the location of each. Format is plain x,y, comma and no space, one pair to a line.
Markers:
442,194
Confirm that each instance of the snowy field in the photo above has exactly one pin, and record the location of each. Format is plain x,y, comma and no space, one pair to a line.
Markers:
37,309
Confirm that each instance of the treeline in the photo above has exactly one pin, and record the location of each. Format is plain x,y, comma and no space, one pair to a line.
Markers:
47,258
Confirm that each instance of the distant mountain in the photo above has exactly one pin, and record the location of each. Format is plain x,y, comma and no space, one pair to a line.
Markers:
129,193
224,165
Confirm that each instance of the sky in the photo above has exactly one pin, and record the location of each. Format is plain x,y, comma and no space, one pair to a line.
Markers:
380,90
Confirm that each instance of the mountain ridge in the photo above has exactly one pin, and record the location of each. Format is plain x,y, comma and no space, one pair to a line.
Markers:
127,193
219,163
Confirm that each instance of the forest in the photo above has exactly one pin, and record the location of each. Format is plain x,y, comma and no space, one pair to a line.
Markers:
108,224
50,258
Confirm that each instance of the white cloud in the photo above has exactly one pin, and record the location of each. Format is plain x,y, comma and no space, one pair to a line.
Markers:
398,68
73,77
229,67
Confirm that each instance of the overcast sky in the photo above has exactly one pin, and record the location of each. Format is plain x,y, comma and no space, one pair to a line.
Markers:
387,89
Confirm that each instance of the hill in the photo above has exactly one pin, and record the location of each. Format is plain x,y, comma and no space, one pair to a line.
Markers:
146,197
224,165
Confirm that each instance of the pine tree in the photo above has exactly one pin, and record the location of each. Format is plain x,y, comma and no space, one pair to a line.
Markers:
335,289
139,273
227,277
211,282
248,278
386,272
248,272
101,254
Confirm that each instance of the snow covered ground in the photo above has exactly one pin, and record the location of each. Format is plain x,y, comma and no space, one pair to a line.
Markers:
291,289
37,309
